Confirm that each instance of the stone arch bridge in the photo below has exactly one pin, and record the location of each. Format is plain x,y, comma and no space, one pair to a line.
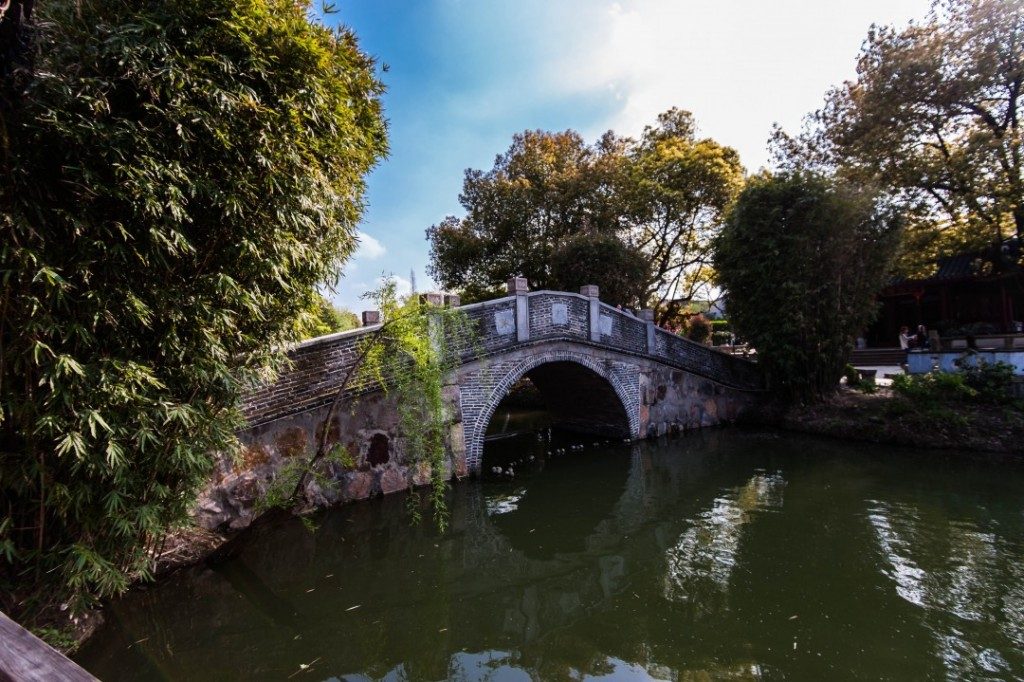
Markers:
599,369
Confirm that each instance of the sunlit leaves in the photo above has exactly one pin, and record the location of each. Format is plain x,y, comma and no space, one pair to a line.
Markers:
934,116
417,349
180,179
662,196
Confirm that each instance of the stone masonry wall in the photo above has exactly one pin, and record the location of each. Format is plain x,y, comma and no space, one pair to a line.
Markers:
367,429
662,386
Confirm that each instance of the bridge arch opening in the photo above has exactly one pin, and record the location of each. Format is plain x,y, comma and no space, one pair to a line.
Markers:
579,400
573,399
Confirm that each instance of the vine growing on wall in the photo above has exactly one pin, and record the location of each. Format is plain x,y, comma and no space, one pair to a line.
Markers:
416,346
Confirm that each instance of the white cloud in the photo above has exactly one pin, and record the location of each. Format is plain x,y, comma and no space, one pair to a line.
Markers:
349,294
403,287
369,248
738,65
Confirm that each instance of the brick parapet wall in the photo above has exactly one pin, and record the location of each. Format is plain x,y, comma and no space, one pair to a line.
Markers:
316,368
542,316
627,332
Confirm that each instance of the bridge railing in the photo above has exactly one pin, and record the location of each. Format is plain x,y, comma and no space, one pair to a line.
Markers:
319,365
529,316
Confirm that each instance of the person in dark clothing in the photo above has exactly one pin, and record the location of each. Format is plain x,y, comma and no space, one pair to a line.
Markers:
921,337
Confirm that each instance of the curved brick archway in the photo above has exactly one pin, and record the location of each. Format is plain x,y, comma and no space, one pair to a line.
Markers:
622,378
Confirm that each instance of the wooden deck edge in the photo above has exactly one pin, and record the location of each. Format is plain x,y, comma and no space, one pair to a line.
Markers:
26,658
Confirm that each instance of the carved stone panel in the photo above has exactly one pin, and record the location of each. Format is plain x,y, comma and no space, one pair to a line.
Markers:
505,322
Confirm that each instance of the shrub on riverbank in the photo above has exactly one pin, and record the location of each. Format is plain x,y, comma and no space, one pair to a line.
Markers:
179,178
951,416
975,382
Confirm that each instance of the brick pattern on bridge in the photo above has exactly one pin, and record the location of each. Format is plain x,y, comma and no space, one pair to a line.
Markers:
318,366
483,386
661,382
543,314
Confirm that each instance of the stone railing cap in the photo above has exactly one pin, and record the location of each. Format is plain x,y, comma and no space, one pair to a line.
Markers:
518,285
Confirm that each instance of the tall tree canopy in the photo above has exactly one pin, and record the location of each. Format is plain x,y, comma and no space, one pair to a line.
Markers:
934,115
676,191
661,197
801,258
546,188
179,177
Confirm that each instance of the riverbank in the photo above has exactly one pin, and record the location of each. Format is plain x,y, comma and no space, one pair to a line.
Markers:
887,417
65,631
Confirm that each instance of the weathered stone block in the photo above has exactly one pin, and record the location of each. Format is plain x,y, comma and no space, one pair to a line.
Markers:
421,474
457,443
253,456
371,317
590,290
358,485
291,442
452,397
392,480
518,285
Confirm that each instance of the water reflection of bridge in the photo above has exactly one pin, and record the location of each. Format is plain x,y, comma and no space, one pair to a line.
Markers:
558,584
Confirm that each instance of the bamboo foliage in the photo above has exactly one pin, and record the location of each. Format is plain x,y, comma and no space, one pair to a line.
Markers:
178,179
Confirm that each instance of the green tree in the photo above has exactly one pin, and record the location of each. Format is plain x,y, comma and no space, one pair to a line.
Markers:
801,258
933,116
546,188
179,177
662,196
320,317
676,190
619,270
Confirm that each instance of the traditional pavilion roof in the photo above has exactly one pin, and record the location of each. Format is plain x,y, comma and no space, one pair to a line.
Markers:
962,267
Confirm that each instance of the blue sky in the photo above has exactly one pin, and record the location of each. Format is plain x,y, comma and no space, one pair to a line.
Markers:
464,75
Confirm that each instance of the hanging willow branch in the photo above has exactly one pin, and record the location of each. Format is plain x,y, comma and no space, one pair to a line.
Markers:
408,356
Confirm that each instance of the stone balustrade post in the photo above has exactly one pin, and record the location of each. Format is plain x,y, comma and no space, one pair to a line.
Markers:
371,317
592,292
647,315
432,299
452,300
518,287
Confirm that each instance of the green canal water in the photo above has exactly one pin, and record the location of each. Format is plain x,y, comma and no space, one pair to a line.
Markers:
725,554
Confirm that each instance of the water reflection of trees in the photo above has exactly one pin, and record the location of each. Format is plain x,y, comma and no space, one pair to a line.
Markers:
426,600
681,570
701,562
967,580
